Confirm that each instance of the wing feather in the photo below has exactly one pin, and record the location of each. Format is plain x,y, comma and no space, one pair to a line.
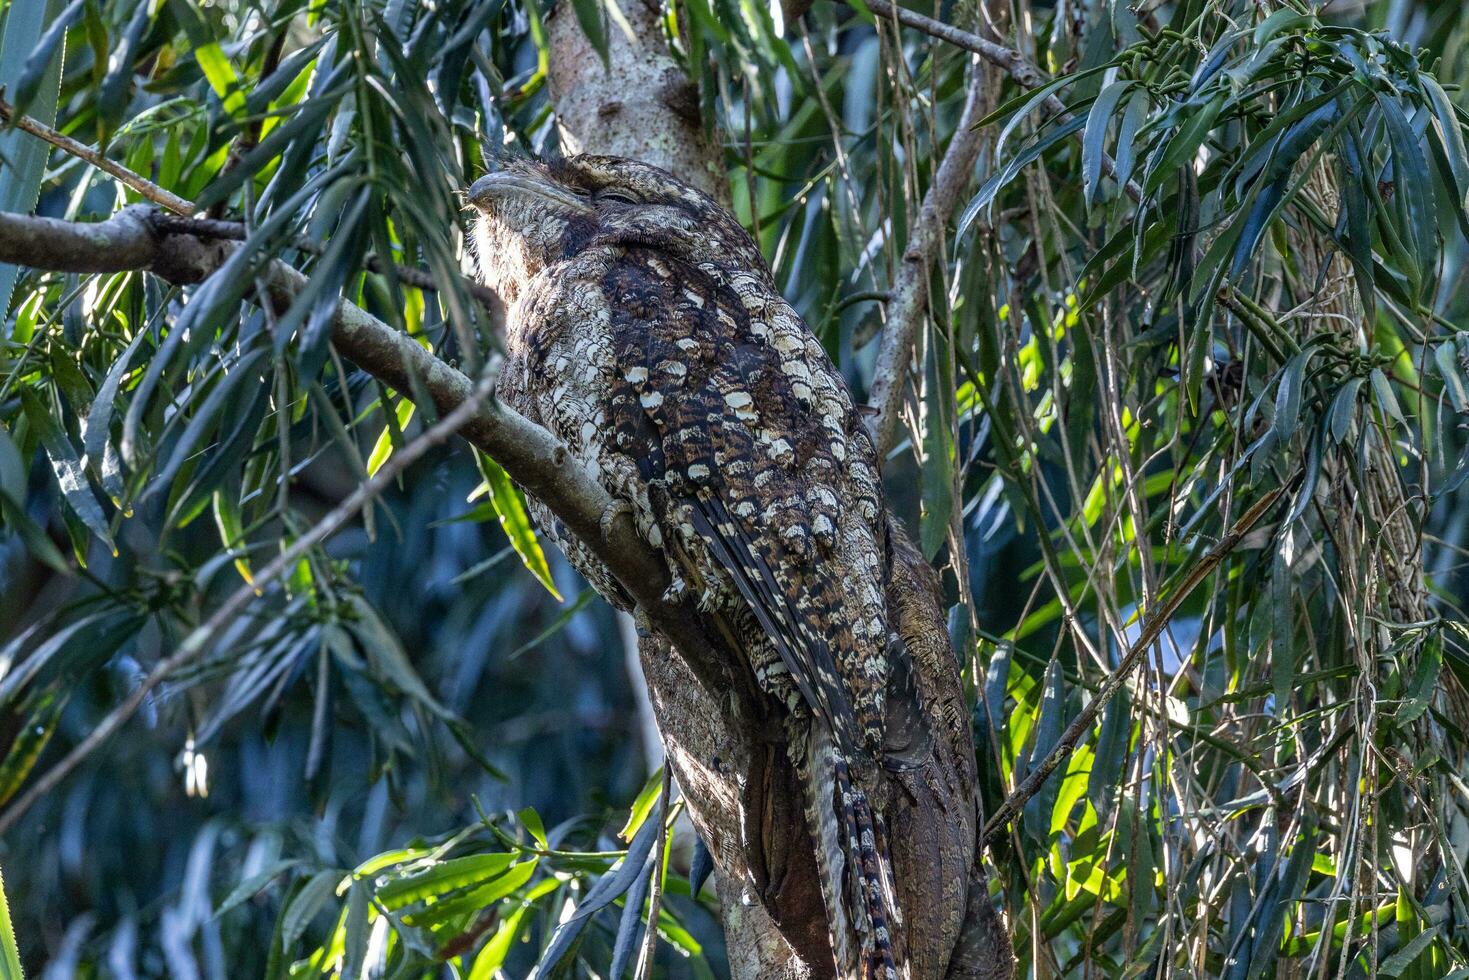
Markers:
746,463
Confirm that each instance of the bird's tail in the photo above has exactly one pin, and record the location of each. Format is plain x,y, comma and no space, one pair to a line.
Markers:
851,856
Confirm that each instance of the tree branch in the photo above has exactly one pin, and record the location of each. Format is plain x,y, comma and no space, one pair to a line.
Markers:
909,302
532,456
82,151
1013,62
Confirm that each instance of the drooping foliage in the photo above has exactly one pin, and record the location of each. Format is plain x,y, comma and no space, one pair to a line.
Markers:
1227,274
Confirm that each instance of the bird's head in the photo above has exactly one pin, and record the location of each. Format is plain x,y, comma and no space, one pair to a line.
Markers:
531,214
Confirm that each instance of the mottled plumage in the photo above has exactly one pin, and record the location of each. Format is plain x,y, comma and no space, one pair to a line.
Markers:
646,332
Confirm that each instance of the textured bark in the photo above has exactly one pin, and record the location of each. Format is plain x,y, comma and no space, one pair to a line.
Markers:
723,747
638,104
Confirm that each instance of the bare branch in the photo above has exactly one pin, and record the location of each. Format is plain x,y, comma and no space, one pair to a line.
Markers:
82,151
1013,62
906,309
1153,627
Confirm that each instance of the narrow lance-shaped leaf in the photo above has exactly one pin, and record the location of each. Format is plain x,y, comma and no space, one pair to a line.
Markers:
71,475
9,952
305,904
383,448
510,506
1094,138
608,888
1049,725
222,76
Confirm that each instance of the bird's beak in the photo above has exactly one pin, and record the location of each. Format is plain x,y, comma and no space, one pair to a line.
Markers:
493,188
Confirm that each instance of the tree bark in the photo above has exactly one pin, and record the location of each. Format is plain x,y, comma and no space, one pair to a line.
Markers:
742,792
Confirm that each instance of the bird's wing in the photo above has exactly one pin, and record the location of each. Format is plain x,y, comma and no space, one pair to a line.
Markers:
723,402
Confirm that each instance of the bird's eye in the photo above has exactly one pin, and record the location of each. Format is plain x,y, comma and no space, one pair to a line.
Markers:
616,194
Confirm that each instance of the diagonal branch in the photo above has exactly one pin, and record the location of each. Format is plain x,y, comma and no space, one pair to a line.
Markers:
909,301
235,231
82,151
180,222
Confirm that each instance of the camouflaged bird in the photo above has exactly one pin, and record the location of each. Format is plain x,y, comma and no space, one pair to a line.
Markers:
646,332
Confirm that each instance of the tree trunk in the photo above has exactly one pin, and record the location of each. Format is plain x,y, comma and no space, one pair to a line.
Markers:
742,792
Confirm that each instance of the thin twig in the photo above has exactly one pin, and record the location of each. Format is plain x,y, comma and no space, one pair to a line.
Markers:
1153,627
650,938
82,151
199,642
1013,62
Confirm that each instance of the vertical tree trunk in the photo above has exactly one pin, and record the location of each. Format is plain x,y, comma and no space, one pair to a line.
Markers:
742,793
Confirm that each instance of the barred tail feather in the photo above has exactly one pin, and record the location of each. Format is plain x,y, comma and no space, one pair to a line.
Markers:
850,856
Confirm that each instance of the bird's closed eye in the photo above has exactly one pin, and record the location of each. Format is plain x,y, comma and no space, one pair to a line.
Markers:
617,194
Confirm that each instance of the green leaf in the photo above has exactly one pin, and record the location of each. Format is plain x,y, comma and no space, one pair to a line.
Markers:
1288,395
41,714
1399,961
510,506
608,888
1094,139
41,68
1412,192
1133,118
1184,144
1111,752
383,448
37,543
222,77
445,876
1450,136
1382,389
70,473
1282,636
1286,893
487,964
252,886
1424,685
9,952
305,905
355,929
643,805
591,17
531,821
470,899
1049,725
1284,19
1448,370
1344,408
12,468
936,474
